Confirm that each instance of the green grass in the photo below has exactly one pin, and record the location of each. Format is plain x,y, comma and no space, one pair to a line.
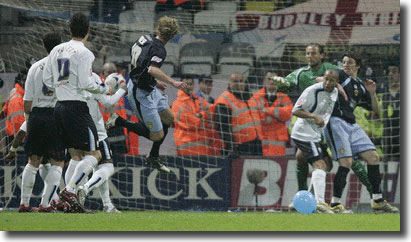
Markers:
197,221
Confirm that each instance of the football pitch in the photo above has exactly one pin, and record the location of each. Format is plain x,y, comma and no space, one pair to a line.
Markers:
197,221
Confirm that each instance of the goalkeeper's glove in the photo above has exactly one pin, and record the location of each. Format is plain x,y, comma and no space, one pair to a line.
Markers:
280,82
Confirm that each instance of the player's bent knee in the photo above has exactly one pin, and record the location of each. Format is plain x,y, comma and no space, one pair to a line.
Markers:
371,157
300,156
95,153
320,164
75,154
156,136
167,116
346,162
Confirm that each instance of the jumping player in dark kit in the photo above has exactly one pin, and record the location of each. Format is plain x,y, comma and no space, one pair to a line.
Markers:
145,97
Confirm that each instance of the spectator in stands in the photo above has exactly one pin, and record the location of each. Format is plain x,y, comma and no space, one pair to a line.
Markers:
13,109
97,45
391,113
192,133
271,109
233,120
192,5
206,85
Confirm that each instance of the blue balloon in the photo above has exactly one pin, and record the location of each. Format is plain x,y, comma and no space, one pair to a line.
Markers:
304,201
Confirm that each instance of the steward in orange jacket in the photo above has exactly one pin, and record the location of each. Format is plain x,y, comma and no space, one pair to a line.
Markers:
192,5
192,133
233,120
272,110
13,109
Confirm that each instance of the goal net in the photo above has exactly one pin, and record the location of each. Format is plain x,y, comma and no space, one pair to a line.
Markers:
216,39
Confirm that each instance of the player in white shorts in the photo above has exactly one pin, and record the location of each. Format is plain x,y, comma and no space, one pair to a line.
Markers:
313,109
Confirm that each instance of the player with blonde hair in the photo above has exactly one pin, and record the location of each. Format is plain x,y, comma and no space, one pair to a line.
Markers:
147,101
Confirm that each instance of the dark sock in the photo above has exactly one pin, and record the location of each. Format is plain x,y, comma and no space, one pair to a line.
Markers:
138,128
302,172
334,204
340,180
155,149
362,174
375,178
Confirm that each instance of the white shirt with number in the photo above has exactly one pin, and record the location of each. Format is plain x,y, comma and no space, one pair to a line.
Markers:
69,70
106,101
35,90
314,99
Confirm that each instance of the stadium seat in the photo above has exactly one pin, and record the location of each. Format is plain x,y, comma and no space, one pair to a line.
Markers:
198,58
132,23
236,57
212,20
224,6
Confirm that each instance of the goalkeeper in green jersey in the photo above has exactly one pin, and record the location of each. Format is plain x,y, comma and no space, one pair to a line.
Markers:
296,82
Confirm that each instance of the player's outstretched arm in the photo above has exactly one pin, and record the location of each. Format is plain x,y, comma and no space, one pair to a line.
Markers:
108,101
158,74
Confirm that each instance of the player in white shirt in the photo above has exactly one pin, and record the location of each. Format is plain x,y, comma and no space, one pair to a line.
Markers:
42,141
69,72
42,169
105,168
313,109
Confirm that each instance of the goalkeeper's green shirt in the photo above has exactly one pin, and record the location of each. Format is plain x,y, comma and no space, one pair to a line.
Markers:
305,76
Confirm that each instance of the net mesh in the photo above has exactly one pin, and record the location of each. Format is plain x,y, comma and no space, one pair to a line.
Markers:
216,39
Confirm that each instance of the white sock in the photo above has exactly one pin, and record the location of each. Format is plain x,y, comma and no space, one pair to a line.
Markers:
103,173
51,184
83,168
335,200
376,196
318,180
70,170
27,183
43,168
105,194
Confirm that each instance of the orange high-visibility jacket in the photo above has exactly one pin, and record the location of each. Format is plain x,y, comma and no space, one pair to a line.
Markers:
132,141
190,132
14,110
215,142
243,125
179,2
273,131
